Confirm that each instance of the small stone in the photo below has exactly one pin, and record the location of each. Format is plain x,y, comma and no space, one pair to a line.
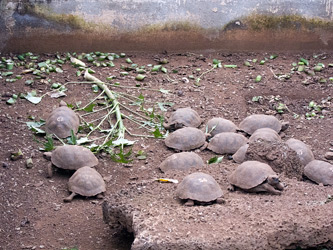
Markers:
299,127
29,163
329,155
5,165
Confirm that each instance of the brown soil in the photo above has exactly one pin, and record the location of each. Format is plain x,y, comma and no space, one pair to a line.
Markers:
32,212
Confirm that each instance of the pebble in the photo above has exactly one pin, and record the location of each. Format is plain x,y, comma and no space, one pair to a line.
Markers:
5,165
329,155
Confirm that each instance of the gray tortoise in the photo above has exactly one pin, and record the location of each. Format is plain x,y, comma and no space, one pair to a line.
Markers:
71,157
86,181
199,188
321,172
183,117
218,125
226,143
186,139
254,122
181,161
61,121
303,151
265,134
255,176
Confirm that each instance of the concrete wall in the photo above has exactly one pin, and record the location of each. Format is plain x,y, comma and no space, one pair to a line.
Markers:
60,25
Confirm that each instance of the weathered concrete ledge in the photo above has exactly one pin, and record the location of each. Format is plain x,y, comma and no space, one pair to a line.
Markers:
159,220
155,25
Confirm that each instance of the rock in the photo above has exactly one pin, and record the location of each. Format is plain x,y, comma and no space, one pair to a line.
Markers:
329,155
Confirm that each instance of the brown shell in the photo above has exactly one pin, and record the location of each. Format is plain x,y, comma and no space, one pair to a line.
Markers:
319,172
86,181
254,122
182,161
239,156
73,157
303,151
221,125
185,139
183,117
61,121
250,174
227,143
265,134
199,187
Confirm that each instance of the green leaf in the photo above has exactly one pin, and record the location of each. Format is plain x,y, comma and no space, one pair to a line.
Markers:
157,133
233,66
162,105
156,68
273,56
122,141
258,78
35,126
129,61
256,98
82,140
164,70
215,159
90,107
247,63
11,101
31,97
306,62
72,139
140,77
164,91
49,145
121,157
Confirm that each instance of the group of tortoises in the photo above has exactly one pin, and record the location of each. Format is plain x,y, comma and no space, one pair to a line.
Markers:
224,137
86,181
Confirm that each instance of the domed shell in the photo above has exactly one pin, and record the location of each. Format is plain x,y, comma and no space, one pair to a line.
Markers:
239,156
265,134
254,122
86,181
250,174
182,161
183,117
319,172
303,151
219,125
61,121
185,139
73,157
227,143
199,187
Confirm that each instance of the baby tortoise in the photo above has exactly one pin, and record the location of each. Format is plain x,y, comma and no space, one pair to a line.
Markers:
86,181
255,176
181,161
61,121
219,125
71,157
254,122
226,143
186,139
303,151
265,134
321,172
183,117
199,188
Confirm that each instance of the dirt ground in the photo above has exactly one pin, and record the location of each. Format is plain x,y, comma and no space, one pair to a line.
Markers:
33,214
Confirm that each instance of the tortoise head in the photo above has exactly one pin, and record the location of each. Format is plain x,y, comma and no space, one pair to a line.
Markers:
274,181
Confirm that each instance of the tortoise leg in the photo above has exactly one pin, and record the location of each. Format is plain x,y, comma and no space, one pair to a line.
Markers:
231,188
266,187
189,203
279,186
203,147
100,196
49,170
220,200
69,198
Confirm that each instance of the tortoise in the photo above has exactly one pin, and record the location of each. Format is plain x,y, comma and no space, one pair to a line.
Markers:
303,151
71,157
321,172
181,161
265,134
218,125
199,188
227,143
255,176
86,181
61,121
254,122
183,117
239,156
186,139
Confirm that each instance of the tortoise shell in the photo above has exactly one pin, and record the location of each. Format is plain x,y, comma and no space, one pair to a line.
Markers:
250,174
254,122
239,156
303,151
183,117
73,157
61,121
181,161
319,172
199,187
86,181
265,134
219,125
227,143
185,139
